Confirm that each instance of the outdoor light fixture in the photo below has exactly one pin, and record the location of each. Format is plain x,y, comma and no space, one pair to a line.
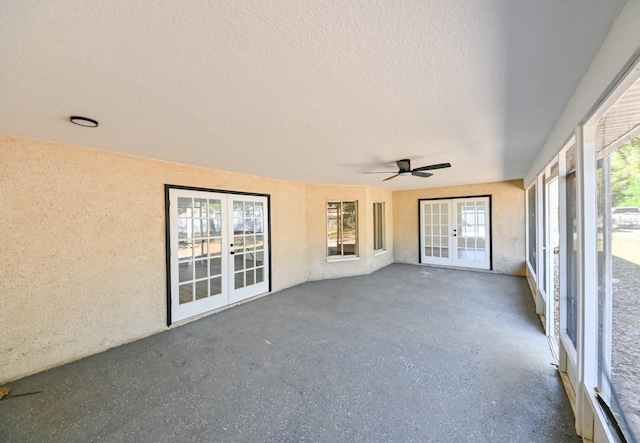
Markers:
83,121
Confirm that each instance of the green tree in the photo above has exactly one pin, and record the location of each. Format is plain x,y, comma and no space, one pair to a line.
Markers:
625,174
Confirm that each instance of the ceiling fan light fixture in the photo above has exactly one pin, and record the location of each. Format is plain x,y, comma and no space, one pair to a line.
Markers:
405,173
83,121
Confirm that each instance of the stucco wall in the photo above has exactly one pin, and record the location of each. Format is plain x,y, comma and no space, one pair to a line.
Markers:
82,236
507,217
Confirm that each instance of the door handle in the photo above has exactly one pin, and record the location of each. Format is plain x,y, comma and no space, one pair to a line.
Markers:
232,251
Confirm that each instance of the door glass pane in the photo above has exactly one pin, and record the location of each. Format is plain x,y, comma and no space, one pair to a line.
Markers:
215,226
200,207
249,242
259,275
248,209
186,293
248,226
201,268
249,277
259,258
200,248
185,271
215,286
184,207
238,262
239,280
238,217
185,250
215,208
215,266
215,247
184,227
202,289
259,210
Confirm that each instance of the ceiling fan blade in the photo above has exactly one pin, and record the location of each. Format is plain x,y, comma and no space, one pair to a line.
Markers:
380,172
431,167
404,165
421,174
393,176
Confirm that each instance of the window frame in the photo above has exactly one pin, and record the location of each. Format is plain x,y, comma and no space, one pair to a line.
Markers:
339,235
379,228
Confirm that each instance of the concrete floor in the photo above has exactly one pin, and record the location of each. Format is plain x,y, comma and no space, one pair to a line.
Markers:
408,353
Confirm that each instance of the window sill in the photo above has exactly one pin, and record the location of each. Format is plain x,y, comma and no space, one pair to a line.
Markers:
380,252
338,259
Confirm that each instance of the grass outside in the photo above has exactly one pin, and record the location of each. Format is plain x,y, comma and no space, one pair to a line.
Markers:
626,245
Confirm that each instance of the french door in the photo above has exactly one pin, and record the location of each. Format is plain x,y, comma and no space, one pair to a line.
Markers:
218,250
456,232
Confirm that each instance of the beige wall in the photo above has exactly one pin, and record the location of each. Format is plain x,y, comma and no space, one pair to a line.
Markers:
507,217
82,241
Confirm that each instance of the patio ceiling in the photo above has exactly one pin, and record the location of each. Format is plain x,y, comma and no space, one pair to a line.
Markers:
312,92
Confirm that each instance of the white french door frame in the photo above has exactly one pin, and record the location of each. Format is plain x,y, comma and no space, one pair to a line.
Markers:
453,235
230,294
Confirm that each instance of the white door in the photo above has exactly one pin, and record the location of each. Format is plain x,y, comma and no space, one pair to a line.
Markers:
456,232
218,250
250,266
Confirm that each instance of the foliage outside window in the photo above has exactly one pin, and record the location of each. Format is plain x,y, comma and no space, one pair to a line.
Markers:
378,226
342,232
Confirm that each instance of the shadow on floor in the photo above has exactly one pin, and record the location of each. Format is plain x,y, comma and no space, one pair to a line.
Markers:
408,353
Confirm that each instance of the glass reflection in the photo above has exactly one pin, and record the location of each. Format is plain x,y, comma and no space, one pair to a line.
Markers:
215,286
185,272
215,266
184,207
201,268
185,250
238,262
186,293
215,247
202,289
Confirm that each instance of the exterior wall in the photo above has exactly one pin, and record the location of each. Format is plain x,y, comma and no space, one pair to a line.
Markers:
507,217
82,236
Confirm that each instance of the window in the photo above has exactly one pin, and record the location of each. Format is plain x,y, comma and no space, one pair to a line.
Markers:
571,235
378,226
531,206
617,143
342,229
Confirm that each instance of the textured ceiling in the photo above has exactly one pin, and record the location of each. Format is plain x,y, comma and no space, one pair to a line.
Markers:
313,92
